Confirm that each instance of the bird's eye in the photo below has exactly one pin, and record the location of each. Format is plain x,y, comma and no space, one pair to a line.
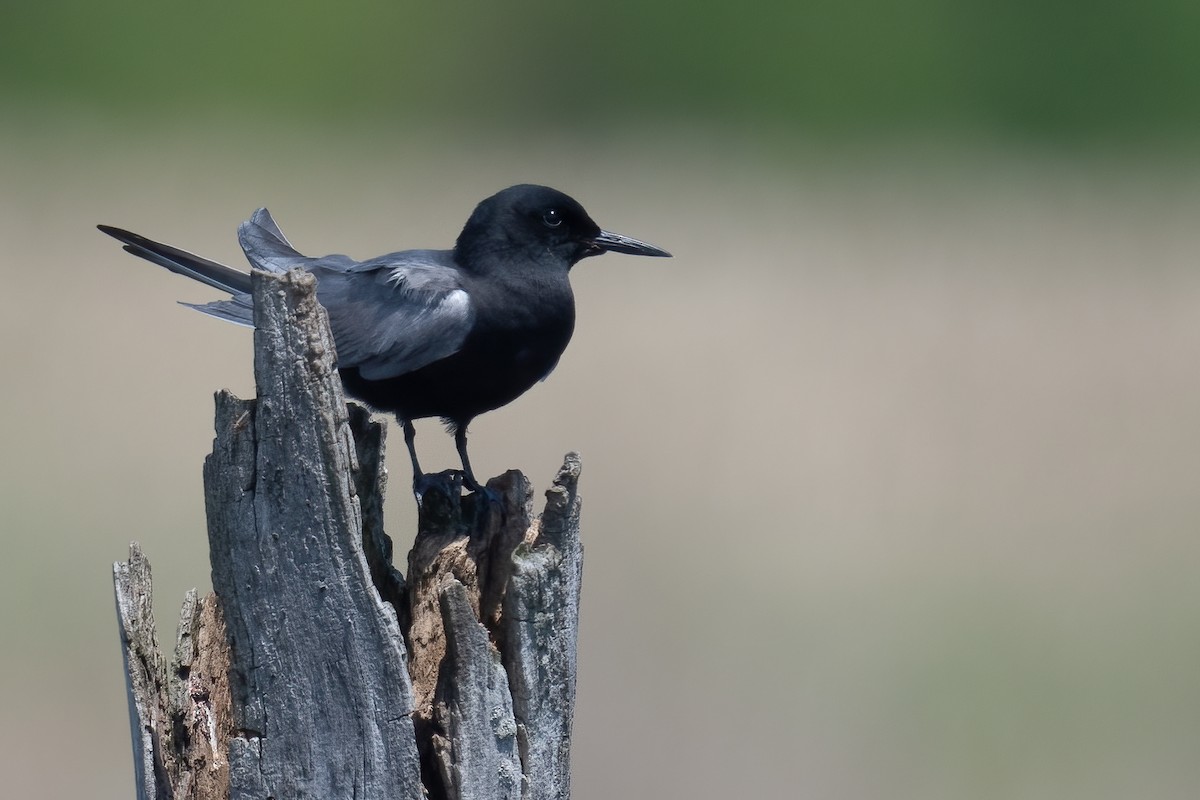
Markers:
552,218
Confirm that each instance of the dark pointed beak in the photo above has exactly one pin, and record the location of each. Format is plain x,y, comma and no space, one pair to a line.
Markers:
607,240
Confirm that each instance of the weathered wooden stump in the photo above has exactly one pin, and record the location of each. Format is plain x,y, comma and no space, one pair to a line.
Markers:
316,669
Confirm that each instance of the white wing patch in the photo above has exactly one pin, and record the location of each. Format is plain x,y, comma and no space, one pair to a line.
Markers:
457,303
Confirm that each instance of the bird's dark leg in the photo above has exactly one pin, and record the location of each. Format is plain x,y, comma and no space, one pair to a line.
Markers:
460,442
447,482
490,496
410,436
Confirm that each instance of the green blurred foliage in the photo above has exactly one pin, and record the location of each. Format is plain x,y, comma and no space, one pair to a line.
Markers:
1069,69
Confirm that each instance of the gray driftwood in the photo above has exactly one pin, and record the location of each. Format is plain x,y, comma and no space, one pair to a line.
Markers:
316,669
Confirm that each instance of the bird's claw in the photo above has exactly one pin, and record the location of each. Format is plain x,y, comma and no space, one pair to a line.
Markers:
440,494
450,483
447,483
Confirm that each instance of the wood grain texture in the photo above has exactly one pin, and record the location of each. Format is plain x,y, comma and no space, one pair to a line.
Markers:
179,713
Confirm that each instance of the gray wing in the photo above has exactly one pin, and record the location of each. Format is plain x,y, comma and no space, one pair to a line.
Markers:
396,313
389,315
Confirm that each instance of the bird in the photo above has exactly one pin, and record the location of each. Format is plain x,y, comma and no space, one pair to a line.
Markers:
431,333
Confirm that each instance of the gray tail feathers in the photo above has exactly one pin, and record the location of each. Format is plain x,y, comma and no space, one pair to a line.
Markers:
265,245
238,309
182,262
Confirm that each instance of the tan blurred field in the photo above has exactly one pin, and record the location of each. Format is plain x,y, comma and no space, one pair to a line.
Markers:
890,476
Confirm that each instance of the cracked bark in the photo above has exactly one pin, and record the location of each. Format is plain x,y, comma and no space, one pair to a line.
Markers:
316,669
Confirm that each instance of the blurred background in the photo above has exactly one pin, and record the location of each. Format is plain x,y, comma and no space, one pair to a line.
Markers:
890,475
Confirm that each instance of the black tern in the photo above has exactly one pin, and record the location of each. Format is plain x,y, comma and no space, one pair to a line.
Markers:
432,333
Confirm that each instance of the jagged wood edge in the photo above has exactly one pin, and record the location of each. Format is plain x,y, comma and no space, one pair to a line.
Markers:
540,629
179,715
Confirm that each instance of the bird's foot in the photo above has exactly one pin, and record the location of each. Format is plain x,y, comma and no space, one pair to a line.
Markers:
446,484
439,497
451,482
444,489
472,485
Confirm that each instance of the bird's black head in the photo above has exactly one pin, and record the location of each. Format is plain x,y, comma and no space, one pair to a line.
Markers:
539,225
